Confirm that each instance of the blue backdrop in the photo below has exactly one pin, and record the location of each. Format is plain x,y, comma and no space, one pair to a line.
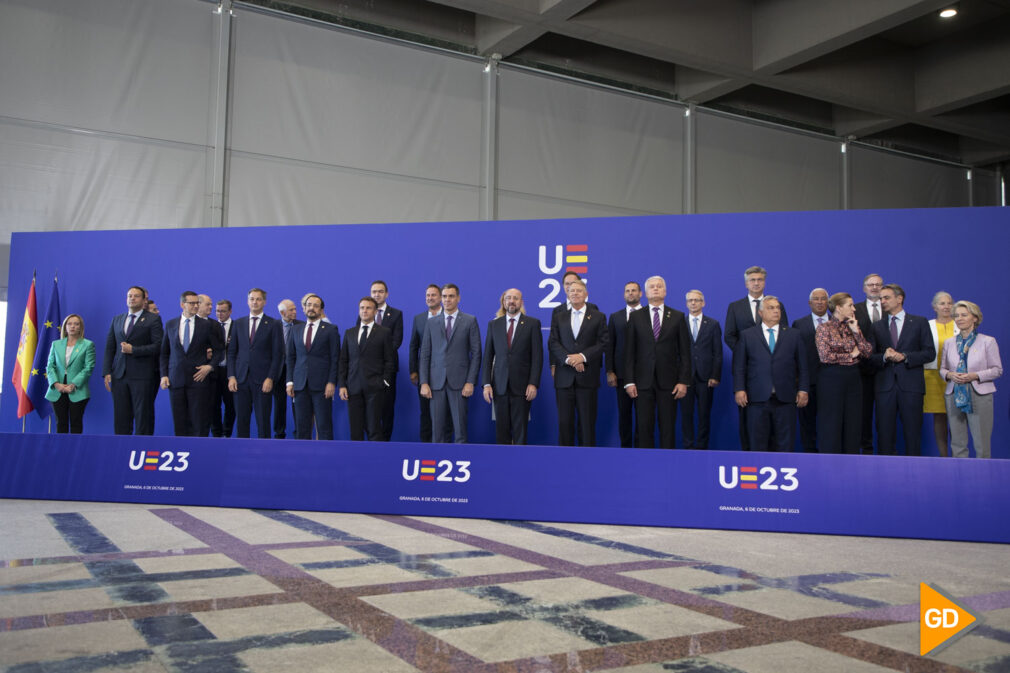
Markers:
959,250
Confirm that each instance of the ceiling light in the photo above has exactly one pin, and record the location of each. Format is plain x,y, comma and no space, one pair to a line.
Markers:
948,12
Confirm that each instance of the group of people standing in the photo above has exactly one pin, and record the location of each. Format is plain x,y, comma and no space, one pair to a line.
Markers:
832,370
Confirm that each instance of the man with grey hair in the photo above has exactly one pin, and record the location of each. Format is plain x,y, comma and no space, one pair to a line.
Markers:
742,314
288,312
807,327
657,364
706,369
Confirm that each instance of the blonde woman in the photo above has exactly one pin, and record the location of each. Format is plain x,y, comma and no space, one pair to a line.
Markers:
71,363
970,364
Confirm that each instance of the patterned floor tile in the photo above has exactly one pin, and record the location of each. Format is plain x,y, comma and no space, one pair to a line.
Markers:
63,642
315,554
783,604
50,602
184,563
661,621
50,572
416,604
243,622
512,640
365,575
138,529
792,657
357,655
905,637
562,590
249,526
219,587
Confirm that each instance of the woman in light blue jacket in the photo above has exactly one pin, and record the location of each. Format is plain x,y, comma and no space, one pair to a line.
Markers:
71,362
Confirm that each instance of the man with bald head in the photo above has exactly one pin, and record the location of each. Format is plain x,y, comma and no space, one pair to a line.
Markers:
513,358
807,327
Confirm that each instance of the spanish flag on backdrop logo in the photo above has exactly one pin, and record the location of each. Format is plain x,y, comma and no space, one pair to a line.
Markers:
26,354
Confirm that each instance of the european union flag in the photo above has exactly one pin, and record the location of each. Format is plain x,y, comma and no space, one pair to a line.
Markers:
49,331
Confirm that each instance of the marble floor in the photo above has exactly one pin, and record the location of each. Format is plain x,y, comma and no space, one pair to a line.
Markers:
101,587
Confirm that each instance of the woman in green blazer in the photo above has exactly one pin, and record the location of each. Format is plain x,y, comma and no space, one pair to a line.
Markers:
71,362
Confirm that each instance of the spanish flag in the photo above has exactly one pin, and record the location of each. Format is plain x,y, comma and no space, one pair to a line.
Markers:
26,354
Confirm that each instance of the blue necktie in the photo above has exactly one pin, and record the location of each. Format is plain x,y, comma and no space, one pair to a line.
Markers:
694,330
185,336
771,339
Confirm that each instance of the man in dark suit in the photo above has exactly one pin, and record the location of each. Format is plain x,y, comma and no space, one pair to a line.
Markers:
657,362
255,354
288,311
392,319
742,314
513,360
433,301
770,378
185,367
130,366
221,396
313,352
706,369
616,327
367,364
449,365
807,327
577,342
868,313
902,345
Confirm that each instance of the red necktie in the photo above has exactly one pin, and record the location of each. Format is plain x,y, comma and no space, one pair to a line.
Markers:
508,337
308,336
252,334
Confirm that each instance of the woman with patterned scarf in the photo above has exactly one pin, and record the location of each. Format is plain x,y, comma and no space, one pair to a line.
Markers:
970,364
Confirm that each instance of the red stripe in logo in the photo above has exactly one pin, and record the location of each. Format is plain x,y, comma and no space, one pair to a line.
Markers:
748,469
577,248
577,269
427,477
427,462
749,487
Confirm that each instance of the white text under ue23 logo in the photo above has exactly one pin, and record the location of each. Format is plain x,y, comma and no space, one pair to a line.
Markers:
764,478
436,470
162,461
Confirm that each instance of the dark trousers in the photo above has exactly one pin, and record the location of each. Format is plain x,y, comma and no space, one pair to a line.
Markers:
280,405
575,403
249,400
808,423
132,406
866,426
626,417
651,404
699,396
190,409
365,413
220,395
744,433
388,407
894,404
426,433
69,415
839,408
511,413
307,403
772,424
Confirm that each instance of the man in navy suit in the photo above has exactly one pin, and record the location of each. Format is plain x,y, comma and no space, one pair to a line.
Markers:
449,365
392,319
770,378
902,345
617,325
807,327
367,364
313,352
186,369
130,366
742,314
221,394
868,314
706,369
576,344
255,354
513,360
288,312
433,301
657,363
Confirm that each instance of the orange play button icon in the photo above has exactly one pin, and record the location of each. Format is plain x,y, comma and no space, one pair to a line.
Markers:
941,620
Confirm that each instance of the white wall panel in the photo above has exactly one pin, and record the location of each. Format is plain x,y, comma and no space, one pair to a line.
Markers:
272,192
884,180
581,143
310,93
135,67
512,206
746,167
53,180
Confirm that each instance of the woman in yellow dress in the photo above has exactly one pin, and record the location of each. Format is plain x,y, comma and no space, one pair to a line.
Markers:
942,328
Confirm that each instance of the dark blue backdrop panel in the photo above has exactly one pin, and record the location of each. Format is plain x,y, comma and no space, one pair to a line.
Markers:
854,495
960,250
